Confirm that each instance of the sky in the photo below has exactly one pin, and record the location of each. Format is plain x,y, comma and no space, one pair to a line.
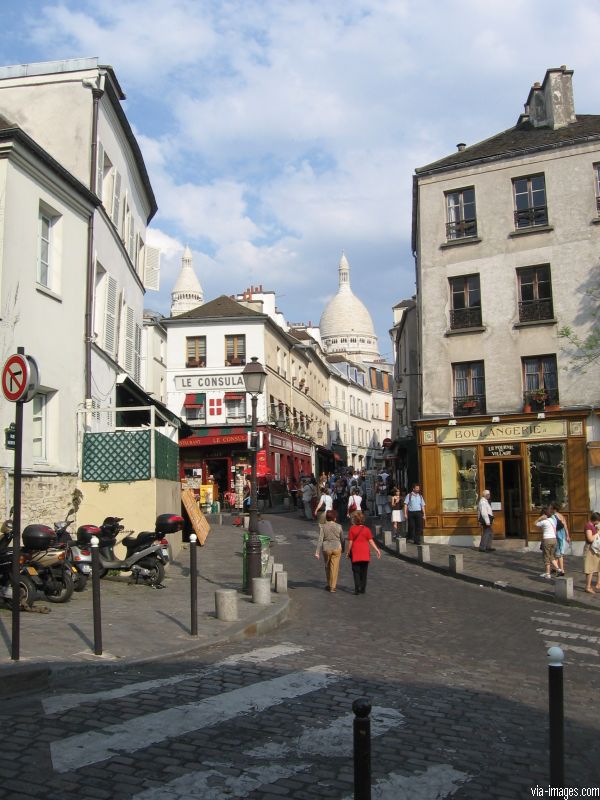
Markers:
278,134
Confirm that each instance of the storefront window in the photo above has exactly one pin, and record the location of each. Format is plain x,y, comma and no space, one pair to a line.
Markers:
459,479
548,474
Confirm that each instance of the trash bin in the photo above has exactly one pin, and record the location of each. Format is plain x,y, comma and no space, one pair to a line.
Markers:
265,545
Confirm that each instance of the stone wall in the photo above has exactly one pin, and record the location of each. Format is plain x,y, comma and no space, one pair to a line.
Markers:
44,498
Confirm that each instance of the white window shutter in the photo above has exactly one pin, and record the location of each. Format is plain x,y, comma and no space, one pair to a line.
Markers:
129,340
137,353
99,170
110,315
152,268
116,203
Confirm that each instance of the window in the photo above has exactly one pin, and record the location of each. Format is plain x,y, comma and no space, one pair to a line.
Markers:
465,302
530,201
462,220
39,426
459,478
540,380
469,388
535,294
195,407
235,351
195,351
235,406
386,412
547,474
48,247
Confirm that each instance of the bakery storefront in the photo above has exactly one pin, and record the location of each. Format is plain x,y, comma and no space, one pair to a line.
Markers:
524,463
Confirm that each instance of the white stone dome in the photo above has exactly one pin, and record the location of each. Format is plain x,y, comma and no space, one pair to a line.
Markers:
346,325
187,292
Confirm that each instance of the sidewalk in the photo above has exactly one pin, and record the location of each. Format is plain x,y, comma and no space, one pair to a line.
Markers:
139,623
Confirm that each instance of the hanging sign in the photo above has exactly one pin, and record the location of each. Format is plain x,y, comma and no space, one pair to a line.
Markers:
20,378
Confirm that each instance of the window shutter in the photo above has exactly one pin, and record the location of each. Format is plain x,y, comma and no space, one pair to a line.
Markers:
116,202
129,340
110,315
99,170
152,268
137,349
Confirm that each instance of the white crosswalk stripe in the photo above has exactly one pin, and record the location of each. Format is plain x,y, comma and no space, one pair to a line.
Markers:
438,781
569,635
572,648
573,638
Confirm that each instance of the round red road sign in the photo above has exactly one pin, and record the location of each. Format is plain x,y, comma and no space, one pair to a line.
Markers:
387,443
15,377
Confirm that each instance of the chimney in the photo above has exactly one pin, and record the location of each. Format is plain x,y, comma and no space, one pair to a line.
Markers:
460,146
551,103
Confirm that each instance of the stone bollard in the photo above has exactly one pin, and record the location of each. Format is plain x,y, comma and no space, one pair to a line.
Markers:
281,582
456,564
378,532
220,519
387,538
270,564
401,545
423,554
261,591
563,588
226,605
276,568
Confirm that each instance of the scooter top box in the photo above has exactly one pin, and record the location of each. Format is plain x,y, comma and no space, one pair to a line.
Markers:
168,523
38,537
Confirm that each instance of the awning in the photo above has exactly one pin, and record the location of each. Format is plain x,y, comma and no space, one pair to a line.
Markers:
234,396
132,394
194,400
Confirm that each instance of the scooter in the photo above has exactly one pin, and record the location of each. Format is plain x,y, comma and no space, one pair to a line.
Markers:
147,552
54,573
27,589
78,554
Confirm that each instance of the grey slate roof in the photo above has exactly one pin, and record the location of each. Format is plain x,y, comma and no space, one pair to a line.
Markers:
522,138
222,306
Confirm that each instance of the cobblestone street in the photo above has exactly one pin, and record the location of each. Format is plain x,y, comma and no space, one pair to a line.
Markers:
456,674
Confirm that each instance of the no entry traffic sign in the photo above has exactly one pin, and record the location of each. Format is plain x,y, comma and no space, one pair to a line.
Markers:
20,378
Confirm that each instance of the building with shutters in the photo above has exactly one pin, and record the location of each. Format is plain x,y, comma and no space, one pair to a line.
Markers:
73,282
506,238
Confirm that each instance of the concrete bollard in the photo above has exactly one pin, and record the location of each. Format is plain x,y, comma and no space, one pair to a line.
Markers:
423,554
378,532
276,568
456,564
401,545
270,564
220,519
226,605
387,538
563,588
261,591
281,582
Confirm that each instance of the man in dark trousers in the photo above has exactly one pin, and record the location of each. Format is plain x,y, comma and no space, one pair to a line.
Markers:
414,511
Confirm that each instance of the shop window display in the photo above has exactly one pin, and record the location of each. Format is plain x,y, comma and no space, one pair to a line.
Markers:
547,474
459,479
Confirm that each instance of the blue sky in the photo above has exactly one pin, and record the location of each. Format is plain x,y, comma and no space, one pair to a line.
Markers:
278,134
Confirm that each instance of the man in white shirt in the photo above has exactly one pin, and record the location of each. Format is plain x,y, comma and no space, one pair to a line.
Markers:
486,517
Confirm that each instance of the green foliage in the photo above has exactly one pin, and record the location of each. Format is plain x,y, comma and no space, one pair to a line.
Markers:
584,351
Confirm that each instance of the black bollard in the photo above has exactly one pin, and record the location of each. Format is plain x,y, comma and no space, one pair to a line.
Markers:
194,585
96,596
362,749
556,714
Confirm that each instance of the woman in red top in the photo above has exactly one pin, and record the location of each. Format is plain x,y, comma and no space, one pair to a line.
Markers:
360,539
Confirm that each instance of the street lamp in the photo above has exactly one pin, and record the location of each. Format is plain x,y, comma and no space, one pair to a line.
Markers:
254,380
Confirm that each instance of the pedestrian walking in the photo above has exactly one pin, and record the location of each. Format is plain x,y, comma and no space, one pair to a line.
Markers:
324,505
486,518
591,552
397,511
307,496
341,500
381,499
354,502
548,545
331,539
562,538
414,510
360,543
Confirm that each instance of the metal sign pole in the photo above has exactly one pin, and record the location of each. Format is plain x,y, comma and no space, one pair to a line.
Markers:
16,542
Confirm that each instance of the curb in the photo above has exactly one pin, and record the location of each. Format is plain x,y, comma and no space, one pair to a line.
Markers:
20,677
500,586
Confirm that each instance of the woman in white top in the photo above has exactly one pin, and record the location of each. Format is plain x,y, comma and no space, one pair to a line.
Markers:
548,525
324,505
354,501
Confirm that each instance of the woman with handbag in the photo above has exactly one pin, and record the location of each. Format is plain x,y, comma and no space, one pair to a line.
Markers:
360,543
562,538
324,505
591,552
331,538
354,502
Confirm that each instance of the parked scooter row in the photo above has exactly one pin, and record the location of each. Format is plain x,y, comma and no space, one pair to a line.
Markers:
55,564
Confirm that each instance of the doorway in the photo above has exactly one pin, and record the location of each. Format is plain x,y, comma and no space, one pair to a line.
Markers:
219,469
503,479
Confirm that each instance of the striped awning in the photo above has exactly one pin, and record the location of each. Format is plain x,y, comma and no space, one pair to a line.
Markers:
194,400
233,396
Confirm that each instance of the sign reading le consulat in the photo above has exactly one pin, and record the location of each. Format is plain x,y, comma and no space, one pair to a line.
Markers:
213,381
539,429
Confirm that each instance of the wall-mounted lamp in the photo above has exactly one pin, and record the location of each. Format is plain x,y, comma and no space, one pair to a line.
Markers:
451,422
541,415
495,419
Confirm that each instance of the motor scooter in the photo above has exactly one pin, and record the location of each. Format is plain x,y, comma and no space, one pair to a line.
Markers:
40,550
27,588
78,554
146,553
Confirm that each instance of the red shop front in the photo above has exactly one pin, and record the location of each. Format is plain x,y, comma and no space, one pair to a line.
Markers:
215,452
288,456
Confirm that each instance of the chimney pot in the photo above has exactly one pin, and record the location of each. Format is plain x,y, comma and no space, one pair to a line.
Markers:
460,146
537,85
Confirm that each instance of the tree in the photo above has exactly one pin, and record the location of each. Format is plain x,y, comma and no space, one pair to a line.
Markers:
585,350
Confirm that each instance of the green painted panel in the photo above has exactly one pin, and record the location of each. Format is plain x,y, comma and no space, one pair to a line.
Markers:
116,456
166,456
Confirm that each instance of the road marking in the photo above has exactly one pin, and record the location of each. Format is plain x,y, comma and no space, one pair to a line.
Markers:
63,702
569,635
553,612
140,732
441,780
333,740
565,624
204,784
572,648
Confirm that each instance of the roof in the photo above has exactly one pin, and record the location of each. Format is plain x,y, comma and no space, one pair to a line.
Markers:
219,308
520,139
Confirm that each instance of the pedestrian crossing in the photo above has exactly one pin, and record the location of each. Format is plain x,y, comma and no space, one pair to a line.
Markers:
576,639
290,753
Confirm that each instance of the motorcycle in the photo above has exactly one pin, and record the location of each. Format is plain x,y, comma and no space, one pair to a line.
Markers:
54,573
78,554
146,553
27,588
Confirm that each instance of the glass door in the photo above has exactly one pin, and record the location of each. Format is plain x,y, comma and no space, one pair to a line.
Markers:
492,480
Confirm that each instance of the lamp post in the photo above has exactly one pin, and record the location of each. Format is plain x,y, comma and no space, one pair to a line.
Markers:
254,380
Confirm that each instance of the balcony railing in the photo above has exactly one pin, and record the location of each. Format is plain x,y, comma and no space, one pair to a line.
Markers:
469,404
530,217
535,310
462,229
465,318
538,399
